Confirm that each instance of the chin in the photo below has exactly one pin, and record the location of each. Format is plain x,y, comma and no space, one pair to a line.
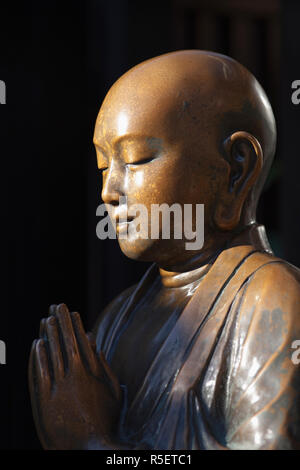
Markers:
155,251
139,250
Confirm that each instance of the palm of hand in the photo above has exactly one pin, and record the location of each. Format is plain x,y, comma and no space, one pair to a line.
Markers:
75,396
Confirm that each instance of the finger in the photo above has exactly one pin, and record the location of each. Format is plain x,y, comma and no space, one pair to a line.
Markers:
69,342
33,392
42,332
86,350
52,309
91,337
42,370
92,340
112,378
32,380
54,347
31,370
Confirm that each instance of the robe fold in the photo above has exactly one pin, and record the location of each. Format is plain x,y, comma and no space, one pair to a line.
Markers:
224,376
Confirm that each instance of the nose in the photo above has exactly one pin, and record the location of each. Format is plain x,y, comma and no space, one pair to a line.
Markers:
113,184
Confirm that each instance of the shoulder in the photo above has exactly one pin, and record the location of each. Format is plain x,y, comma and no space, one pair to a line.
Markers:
260,378
275,286
278,269
265,320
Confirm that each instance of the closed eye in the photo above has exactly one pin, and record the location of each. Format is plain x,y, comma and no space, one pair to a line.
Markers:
141,162
103,169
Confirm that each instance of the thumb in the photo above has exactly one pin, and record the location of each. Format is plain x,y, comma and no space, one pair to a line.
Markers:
92,340
111,377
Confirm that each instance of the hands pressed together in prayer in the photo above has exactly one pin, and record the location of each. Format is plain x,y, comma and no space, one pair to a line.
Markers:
76,398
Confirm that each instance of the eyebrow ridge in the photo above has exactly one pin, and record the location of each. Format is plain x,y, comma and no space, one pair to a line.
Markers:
120,139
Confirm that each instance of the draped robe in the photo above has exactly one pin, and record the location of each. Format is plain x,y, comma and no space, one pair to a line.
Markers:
224,377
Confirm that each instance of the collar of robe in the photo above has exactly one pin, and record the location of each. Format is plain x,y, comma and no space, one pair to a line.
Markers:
253,235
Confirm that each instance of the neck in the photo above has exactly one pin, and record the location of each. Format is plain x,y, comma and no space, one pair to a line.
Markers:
252,234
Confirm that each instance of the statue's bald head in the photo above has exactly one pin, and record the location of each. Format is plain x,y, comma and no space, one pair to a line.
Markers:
200,99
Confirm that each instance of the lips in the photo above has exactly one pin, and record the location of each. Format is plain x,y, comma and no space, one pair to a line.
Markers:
122,226
123,220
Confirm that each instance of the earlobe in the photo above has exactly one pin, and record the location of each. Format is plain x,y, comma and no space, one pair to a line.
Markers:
245,156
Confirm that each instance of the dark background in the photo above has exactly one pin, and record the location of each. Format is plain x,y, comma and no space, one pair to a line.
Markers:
58,60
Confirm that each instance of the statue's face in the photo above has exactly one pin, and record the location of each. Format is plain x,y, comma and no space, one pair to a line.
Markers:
148,153
167,133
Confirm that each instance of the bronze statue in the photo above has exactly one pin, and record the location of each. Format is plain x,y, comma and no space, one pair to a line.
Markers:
198,354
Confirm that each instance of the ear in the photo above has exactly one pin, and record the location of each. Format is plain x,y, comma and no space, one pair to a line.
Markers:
244,154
